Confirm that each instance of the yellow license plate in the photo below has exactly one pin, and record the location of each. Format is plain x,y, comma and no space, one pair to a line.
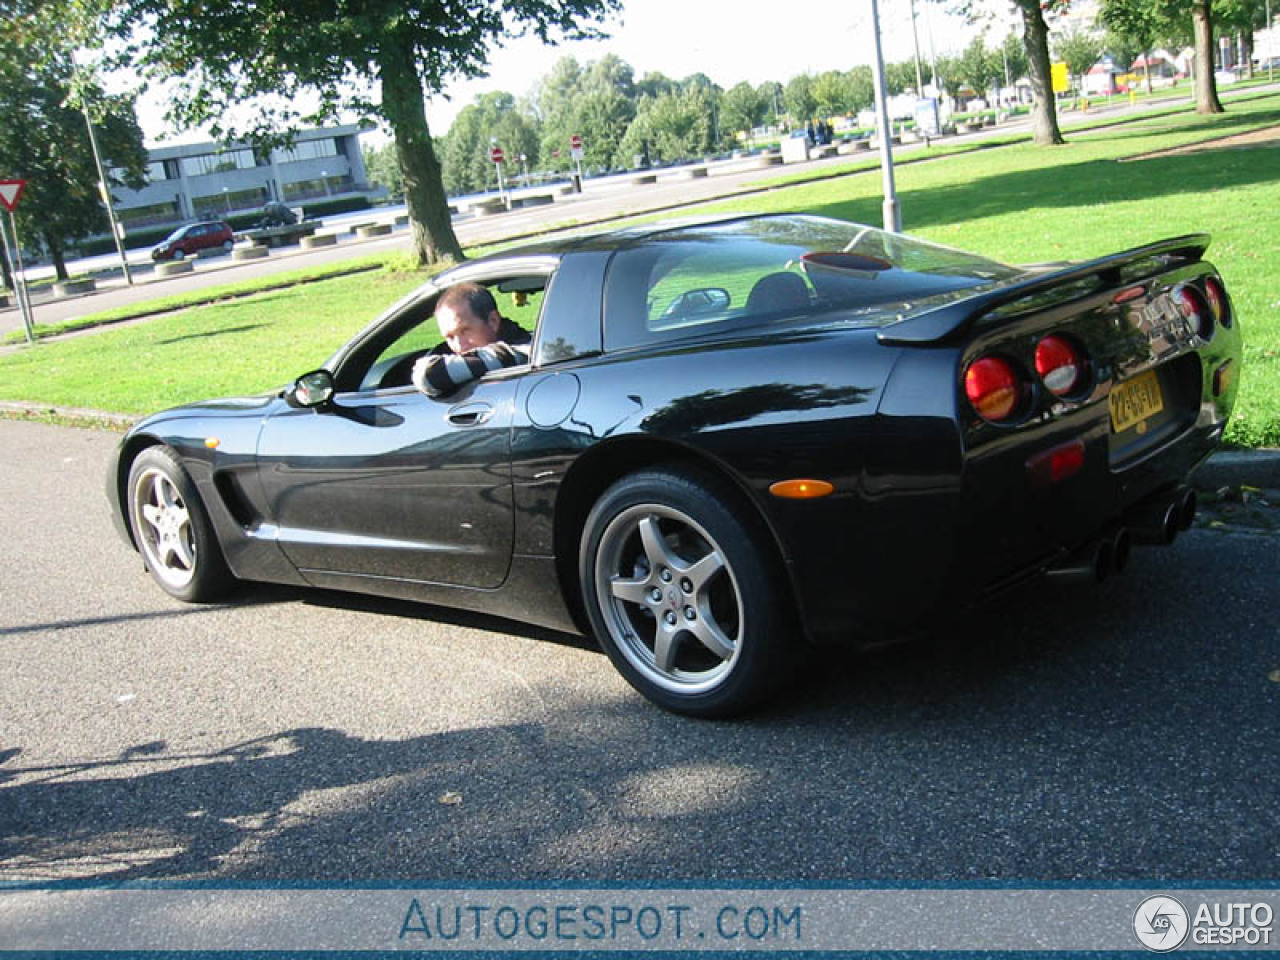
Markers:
1135,400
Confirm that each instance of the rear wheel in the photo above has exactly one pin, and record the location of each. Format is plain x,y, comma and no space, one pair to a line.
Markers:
172,529
178,254
683,595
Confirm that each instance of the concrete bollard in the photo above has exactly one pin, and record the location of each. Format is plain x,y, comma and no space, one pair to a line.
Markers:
172,268
374,230
644,179
695,173
70,288
250,252
319,240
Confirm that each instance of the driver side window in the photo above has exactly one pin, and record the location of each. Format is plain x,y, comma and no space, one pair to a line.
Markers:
391,353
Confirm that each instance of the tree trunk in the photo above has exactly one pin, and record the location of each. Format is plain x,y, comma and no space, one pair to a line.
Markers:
59,258
403,105
1035,37
1206,87
1246,52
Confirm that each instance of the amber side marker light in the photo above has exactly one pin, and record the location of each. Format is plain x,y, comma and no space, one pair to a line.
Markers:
211,442
801,489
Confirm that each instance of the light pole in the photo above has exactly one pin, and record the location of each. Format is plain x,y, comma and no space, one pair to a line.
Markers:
106,193
892,216
915,40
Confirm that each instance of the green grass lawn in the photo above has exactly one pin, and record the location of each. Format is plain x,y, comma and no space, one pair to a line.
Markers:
1019,203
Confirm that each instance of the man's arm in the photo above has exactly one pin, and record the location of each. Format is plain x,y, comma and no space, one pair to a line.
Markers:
440,375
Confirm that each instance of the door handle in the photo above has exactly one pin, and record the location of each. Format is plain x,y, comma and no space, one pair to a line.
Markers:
470,414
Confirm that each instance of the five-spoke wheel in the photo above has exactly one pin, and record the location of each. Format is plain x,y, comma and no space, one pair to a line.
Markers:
682,594
171,528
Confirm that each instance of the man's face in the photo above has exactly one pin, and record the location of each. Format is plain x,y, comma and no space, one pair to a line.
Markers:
463,330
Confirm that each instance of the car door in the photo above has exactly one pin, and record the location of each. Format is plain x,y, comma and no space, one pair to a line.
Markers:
391,483
384,481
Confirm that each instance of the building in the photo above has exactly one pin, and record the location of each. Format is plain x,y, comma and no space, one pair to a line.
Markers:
207,180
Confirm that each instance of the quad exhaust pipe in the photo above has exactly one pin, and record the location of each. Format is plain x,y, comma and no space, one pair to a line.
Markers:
1096,561
1158,520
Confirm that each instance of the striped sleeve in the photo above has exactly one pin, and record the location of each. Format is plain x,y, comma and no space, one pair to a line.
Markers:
439,375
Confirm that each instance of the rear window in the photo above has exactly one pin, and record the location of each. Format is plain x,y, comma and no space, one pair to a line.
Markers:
706,280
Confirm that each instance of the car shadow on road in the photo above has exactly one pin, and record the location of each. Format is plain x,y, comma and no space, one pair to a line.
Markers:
1064,734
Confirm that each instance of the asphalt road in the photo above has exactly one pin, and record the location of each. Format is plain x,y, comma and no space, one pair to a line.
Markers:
1076,734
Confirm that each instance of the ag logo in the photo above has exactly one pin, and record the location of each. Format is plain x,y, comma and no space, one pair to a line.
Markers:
1161,923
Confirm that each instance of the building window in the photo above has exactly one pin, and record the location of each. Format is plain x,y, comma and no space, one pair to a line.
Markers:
157,170
207,163
310,150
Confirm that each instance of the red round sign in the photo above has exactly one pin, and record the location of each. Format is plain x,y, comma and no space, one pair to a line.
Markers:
496,154
576,142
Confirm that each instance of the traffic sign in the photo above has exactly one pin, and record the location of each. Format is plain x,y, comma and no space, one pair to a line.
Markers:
10,191
495,154
576,142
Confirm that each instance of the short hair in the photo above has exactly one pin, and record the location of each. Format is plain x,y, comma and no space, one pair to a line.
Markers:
477,299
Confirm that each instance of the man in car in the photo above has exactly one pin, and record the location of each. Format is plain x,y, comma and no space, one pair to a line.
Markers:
477,339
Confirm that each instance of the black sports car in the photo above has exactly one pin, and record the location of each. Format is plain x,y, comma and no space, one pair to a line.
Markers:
734,437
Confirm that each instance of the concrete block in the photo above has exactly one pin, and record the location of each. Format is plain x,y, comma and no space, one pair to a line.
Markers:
695,173
251,252
70,288
172,268
319,240
374,230
644,179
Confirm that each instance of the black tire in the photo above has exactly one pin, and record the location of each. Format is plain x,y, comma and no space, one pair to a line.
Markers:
226,246
172,530
683,595
177,255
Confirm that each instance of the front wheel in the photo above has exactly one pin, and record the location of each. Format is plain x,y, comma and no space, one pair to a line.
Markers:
172,529
685,597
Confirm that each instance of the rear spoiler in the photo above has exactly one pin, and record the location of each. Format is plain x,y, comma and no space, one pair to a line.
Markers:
952,318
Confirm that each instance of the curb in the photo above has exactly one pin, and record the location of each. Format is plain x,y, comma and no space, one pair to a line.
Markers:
1239,468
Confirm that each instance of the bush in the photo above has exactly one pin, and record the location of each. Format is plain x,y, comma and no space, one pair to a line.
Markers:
340,205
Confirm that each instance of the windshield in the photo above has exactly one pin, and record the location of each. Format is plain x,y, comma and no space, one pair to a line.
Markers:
764,270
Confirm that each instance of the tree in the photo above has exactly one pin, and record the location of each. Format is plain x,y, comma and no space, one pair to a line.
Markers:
798,99
1079,51
491,119
831,93
1035,37
741,108
1206,85
978,66
1172,18
376,57
44,140
383,169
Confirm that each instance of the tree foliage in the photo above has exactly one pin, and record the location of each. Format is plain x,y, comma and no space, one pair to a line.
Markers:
1079,50
44,139
376,57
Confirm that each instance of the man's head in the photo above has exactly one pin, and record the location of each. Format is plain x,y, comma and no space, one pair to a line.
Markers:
468,317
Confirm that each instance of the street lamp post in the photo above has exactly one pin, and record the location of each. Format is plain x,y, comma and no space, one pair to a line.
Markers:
892,216
106,195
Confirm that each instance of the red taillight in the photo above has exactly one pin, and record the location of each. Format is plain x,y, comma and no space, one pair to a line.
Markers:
992,388
1061,365
1193,307
1217,298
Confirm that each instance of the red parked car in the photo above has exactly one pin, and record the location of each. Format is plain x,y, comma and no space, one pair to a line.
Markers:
193,238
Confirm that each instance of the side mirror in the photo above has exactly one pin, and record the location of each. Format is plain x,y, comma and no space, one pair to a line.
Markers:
313,389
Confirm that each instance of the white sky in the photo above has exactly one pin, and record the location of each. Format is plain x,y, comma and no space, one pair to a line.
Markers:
728,40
